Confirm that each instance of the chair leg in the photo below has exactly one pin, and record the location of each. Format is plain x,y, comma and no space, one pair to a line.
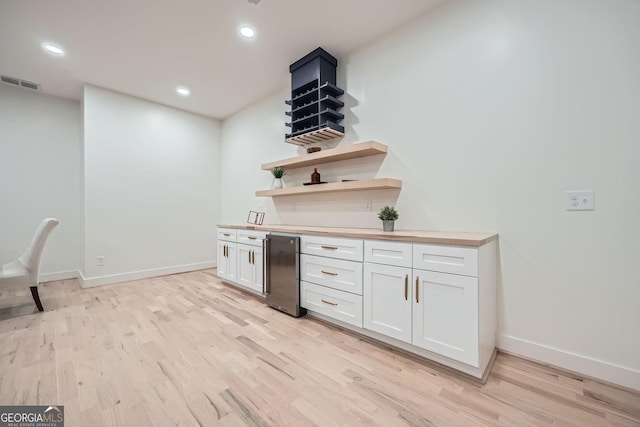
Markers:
36,297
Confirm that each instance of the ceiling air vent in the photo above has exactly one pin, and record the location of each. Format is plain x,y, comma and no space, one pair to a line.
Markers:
19,82
254,2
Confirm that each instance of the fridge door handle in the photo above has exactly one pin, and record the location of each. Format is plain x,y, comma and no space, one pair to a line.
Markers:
264,265
266,285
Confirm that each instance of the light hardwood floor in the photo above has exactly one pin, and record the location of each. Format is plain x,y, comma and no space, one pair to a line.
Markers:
187,350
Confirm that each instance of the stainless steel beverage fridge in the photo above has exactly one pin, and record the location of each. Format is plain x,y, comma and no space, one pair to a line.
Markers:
282,273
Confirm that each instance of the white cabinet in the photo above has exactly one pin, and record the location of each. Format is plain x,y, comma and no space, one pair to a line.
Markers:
434,300
250,267
332,247
389,253
445,315
339,305
227,260
387,300
334,273
429,296
227,234
331,277
446,259
250,237
446,301
240,257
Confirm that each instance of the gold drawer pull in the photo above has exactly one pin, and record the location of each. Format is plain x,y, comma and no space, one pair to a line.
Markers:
252,238
227,234
328,302
406,287
329,247
329,273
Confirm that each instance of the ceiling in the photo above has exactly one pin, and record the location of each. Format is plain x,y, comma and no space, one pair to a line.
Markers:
147,48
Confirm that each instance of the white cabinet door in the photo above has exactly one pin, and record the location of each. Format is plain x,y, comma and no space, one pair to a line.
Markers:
256,261
445,315
343,306
227,234
387,297
388,253
332,247
250,237
249,272
446,259
223,263
333,273
231,273
245,271
227,254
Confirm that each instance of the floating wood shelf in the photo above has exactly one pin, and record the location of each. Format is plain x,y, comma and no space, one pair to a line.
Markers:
363,149
335,187
324,134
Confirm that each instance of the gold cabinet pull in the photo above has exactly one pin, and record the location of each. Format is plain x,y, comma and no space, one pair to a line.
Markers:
249,253
329,273
406,287
224,251
227,234
328,302
417,289
252,238
329,247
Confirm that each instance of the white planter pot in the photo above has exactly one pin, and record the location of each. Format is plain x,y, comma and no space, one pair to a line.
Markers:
277,183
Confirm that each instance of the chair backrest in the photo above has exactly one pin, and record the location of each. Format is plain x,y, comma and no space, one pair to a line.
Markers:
31,258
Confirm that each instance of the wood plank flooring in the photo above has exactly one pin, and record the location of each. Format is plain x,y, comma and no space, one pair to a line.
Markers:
187,350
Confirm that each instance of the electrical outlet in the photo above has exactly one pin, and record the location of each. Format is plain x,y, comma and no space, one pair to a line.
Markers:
100,261
367,205
580,200
293,206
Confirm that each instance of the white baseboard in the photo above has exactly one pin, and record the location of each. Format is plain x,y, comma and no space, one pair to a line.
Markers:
90,282
60,275
578,363
81,278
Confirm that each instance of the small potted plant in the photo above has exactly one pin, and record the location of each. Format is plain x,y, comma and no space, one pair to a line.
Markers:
278,172
388,215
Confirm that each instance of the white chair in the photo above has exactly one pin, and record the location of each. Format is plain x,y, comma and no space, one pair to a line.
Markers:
26,269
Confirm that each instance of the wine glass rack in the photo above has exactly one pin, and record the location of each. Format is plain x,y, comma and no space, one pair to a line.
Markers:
315,103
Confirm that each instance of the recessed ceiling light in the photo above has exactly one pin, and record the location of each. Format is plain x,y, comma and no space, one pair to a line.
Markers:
247,32
53,49
183,91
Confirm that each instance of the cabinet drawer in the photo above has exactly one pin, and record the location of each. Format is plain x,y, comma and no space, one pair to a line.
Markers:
389,253
446,259
227,234
339,305
334,273
349,249
251,237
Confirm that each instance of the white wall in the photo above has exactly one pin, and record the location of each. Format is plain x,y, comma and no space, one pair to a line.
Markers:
39,177
491,110
247,140
151,188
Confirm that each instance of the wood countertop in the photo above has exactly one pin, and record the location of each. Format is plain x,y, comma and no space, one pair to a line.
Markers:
415,236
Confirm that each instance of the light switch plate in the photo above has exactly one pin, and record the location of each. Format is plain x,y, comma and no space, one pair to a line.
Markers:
580,200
